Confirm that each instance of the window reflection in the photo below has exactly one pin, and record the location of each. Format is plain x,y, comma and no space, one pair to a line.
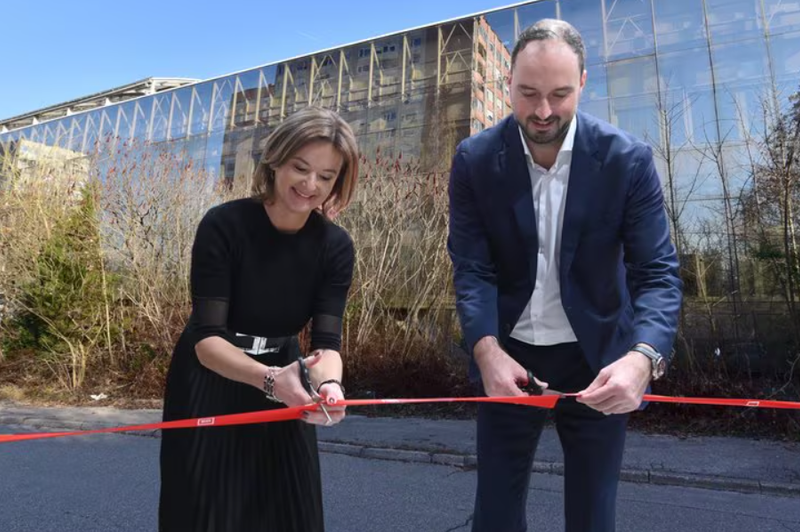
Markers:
734,20
743,87
786,56
632,88
76,132
530,14
637,115
632,76
688,97
502,24
159,120
108,121
200,108
782,15
401,92
679,25
61,133
629,28
221,100
586,16
180,105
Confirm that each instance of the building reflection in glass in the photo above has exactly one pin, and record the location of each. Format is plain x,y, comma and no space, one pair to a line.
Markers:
690,77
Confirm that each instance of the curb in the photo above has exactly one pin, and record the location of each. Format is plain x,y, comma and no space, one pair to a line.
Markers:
466,462
638,476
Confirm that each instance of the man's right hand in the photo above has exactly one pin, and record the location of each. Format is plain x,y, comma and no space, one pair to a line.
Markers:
502,375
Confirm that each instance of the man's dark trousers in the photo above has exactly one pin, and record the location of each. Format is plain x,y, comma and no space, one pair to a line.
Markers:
507,437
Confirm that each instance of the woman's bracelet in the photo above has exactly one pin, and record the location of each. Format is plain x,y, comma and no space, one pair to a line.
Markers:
269,385
331,381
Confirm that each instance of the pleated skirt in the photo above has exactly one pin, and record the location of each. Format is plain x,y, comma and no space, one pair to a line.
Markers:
260,477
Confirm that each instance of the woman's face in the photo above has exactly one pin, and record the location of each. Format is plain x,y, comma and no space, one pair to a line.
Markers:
306,179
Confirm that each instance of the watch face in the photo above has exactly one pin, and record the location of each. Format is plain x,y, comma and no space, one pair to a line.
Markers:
660,367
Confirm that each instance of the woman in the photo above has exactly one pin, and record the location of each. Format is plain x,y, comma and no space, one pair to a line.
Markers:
262,267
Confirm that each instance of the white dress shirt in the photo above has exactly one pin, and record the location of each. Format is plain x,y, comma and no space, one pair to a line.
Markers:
544,322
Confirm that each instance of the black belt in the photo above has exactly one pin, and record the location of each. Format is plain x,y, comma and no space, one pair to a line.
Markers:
258,345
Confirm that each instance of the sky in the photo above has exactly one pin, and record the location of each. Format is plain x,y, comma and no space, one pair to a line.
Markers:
56,50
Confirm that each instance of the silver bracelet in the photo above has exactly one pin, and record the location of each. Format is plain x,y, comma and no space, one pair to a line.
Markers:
269,385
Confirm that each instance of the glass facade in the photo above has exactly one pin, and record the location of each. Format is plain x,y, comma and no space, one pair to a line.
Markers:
690,77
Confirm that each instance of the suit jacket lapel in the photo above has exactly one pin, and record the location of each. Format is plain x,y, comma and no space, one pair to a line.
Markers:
514,169
583,177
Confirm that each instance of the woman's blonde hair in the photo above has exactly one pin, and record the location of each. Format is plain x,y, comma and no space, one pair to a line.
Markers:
307,125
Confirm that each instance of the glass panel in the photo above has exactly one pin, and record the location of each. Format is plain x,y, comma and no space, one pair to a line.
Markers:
76,132
123,129
48,135
596,87
632,76
245,98
782,15
632,86
629,28
214,151
223,98
587,17
694,174
328,76
598,108
734,20
180,104
141,118
91,139
501,24
679,25
159,119
688,111
457,54
735,158
61,127
108,121
196,149
636,115
742,77
594,98
200,108
36,134
704,231
786,56
532,13
269,103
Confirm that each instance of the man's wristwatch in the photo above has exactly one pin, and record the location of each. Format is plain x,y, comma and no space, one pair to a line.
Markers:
658,366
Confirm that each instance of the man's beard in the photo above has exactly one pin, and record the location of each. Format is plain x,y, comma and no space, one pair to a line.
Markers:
553,136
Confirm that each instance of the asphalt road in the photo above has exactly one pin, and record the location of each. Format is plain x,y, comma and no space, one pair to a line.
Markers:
110,483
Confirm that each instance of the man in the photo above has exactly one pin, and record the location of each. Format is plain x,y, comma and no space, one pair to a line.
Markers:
563,267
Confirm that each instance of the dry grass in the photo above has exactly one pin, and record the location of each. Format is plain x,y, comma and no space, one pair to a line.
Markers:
399,328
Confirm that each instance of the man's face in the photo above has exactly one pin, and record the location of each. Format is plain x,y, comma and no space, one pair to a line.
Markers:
545,85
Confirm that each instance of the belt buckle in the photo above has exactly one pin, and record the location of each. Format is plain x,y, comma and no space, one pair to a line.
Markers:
259,346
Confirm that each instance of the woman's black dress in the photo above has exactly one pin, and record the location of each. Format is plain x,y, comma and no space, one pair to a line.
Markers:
248,278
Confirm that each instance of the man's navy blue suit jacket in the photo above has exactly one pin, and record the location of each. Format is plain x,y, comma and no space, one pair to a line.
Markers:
617,266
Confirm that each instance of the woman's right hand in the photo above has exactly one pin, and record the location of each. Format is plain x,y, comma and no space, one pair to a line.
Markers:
288,388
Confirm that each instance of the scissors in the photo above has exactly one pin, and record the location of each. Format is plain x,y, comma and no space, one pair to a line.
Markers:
305,379
533,388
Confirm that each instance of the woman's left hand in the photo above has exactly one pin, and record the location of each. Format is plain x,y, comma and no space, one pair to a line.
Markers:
330,395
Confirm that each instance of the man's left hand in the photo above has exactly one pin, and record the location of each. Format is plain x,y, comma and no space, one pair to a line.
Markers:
619,387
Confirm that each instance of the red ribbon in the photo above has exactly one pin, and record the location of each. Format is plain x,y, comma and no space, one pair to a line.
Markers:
285,414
